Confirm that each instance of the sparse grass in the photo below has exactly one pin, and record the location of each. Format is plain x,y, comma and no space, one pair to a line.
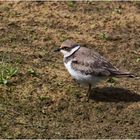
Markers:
71,3
118,10
7,71
42,101
63,37
31,71
103,36
111,81
138,59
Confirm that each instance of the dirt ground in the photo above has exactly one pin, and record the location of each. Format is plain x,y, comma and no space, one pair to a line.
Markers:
42,100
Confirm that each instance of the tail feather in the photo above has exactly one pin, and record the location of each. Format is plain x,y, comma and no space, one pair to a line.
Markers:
119,73
126,74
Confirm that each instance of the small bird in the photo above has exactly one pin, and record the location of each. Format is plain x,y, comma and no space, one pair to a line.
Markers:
87,66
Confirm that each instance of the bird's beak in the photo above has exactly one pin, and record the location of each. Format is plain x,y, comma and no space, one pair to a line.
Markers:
57,50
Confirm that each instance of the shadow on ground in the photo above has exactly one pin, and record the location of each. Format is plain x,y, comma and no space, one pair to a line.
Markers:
112,94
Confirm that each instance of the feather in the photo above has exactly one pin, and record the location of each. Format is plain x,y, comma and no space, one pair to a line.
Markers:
92,63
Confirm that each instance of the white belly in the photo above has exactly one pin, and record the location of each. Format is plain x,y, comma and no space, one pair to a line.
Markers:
86,79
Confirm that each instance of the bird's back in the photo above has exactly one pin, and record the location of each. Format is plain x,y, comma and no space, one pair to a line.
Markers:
88,61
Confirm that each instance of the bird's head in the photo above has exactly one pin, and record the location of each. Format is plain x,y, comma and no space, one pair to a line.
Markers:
67,48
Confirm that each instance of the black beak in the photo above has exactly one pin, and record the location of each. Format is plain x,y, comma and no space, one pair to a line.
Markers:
57,50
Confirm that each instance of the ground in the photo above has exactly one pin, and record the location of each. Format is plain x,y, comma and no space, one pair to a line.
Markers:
40,99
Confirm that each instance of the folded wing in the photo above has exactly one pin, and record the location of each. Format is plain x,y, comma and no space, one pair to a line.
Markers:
91,62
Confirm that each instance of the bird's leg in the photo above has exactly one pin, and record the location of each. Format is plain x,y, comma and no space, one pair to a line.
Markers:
89,91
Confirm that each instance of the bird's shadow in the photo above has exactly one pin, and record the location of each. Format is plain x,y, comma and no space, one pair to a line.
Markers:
112,94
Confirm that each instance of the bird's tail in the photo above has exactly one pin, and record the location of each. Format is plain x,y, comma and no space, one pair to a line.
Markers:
126,74
119,73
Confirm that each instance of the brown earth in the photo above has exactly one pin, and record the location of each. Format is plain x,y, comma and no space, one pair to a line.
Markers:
42,100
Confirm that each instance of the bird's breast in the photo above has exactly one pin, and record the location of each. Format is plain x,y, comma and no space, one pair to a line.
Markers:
72,72
81,77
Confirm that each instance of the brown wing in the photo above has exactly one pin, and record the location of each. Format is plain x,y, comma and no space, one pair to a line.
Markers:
91,62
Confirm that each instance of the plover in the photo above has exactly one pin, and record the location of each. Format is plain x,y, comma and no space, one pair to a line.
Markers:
87,66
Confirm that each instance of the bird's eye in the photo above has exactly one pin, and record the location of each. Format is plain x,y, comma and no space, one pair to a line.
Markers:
66,48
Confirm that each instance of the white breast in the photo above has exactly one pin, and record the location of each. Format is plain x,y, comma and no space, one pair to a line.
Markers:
82,78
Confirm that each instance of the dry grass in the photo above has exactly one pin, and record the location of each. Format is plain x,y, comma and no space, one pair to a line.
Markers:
42,101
